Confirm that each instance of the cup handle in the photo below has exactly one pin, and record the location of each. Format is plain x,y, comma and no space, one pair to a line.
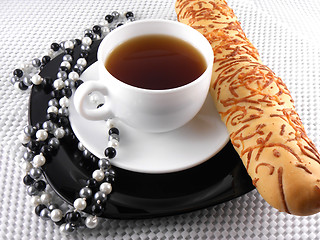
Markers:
82,92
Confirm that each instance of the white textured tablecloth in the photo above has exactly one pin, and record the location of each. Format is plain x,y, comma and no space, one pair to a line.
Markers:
287,35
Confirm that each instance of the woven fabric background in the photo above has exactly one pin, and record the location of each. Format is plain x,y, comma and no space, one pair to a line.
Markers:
286,33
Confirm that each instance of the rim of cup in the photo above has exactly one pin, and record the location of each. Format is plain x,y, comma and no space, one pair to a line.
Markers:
209,61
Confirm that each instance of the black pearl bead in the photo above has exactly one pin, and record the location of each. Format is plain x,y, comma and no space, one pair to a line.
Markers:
73,217
18,72
109,18
63,121
68,51
28,180
66,91
90,35
78,41
84,54
57,94
47,84
46,150
22,86
55,46
52,116
78,83
39,208
92,183
40,185
97,209
113,130
33,145
129,14
110,175
96,29
63,68
110,152
45,59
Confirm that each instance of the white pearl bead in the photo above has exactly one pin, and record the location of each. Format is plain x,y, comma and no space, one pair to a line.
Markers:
80,204
86,41
64,102
24,139
52,109
82,62
81,146
106,188
68,44
98,175
46,198
59,133
36,79
39,160
58,84
62,228
56,215
35,200
26,166
91,222
105,30
74,76
113,143
65,64
110,123
41,135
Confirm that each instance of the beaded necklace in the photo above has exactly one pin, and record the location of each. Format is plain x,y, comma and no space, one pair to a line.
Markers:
43,139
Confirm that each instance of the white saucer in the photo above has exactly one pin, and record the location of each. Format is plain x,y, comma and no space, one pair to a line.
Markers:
183,148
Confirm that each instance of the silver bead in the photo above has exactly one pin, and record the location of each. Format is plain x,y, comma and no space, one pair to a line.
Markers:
36,62
28,156
115,15
67,58
56,215
85,47
53,102
64,111
131,19
79,67
85,192
87,31
14,79
45,214
80,204
106,187
104,163
69,83
35,173
59,133
62,74
86,153
26,80
100,197
91,222
81,146
31,190
69,227
48,125
62,228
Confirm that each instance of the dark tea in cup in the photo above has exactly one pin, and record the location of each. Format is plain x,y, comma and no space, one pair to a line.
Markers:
156,62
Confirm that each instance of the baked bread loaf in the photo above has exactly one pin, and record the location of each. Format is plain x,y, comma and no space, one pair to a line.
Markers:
258,110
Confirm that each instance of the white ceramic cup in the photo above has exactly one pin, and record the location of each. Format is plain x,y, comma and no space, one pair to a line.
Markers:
147,110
